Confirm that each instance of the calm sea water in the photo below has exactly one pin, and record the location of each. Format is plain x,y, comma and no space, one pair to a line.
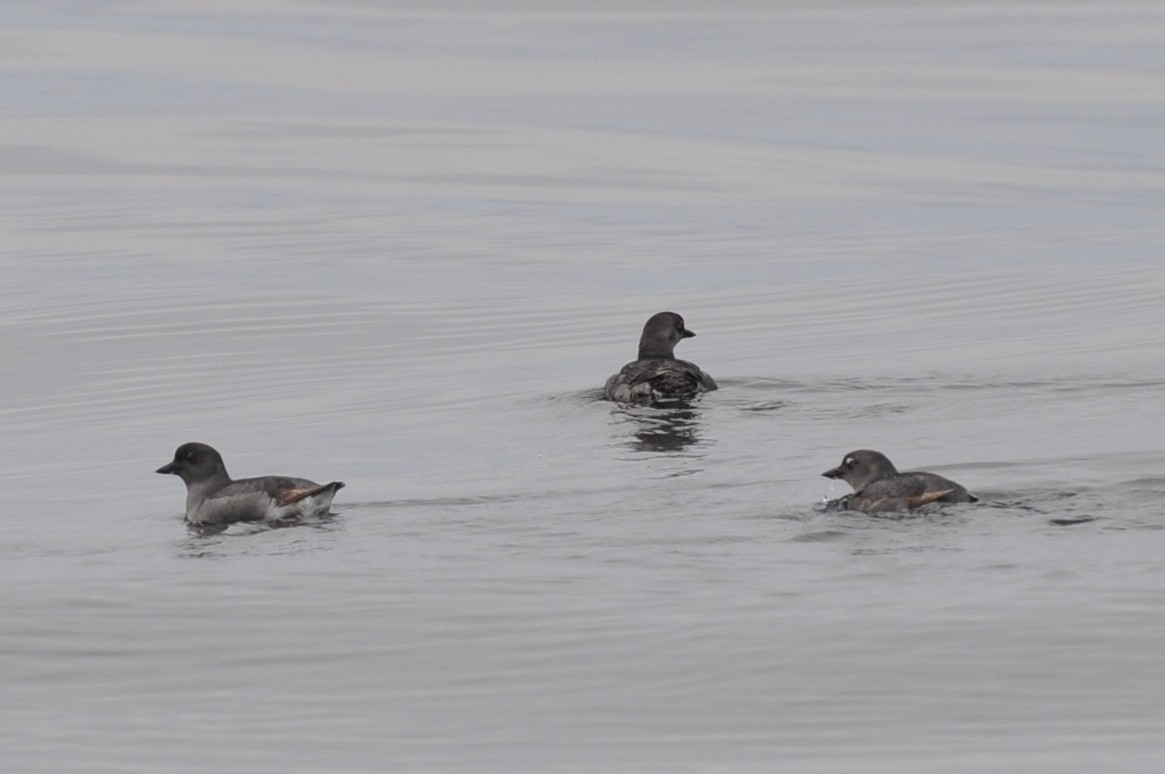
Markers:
404,246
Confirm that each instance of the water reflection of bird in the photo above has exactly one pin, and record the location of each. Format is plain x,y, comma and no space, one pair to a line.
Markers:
664,429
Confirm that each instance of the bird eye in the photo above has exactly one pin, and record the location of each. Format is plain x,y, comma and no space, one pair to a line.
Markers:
848,461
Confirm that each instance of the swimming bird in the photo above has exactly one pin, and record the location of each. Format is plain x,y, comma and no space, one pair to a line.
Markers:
213,498
878,486
657,375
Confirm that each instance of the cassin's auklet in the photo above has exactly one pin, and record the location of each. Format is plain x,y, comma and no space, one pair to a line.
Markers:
878,486
657,375
212,498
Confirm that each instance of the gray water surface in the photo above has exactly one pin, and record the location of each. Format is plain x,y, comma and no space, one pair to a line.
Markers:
403,246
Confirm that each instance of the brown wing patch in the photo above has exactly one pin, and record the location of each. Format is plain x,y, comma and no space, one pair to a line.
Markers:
926,498
295,495
872,506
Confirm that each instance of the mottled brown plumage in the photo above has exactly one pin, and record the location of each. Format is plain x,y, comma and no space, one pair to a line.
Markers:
657,375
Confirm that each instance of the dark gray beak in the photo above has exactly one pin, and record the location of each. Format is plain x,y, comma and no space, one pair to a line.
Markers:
831,473
170,468
685,333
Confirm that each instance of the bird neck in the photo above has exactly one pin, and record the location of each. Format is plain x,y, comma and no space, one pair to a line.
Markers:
655,350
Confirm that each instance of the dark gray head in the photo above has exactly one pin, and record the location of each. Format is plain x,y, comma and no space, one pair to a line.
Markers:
196,462
661,333
862,467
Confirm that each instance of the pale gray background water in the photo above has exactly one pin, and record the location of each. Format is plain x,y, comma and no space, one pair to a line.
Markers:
404,247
